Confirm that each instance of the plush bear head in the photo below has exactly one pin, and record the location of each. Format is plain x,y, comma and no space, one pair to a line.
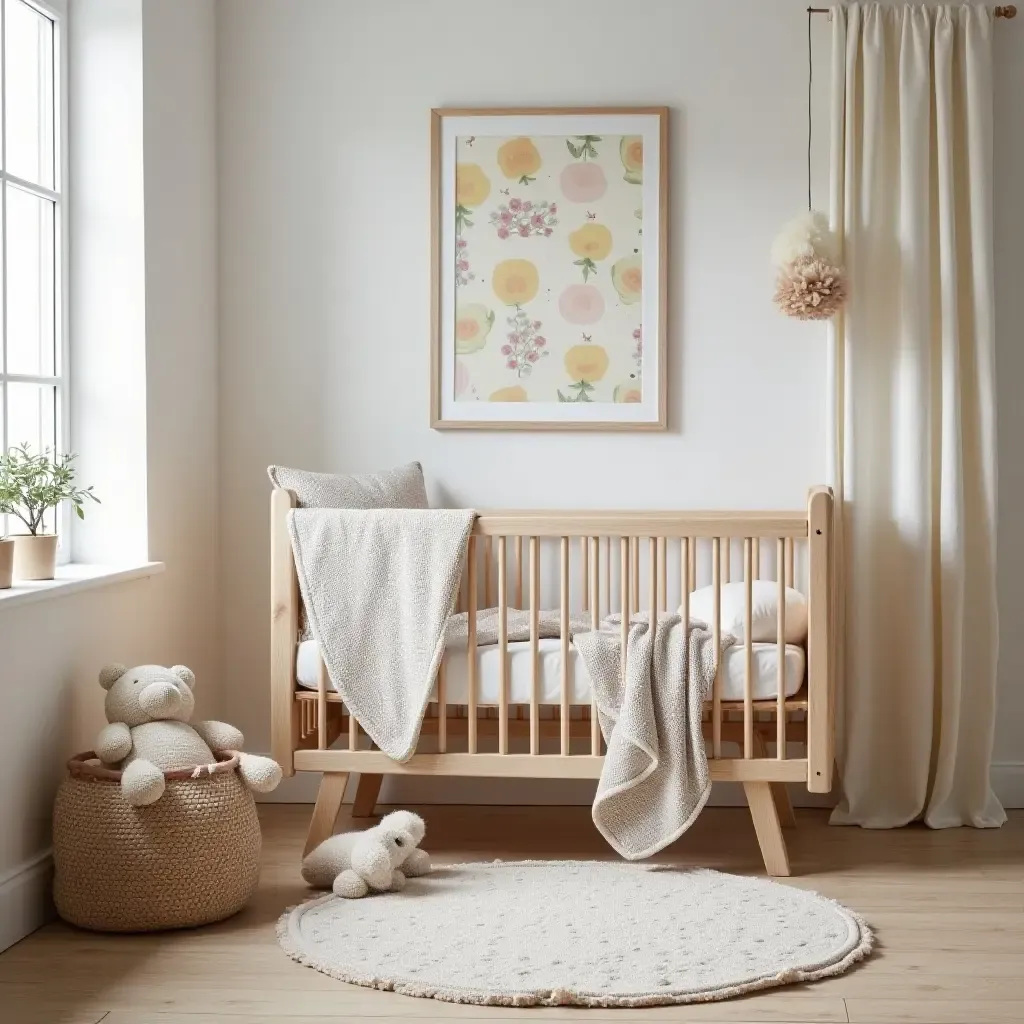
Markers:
148,693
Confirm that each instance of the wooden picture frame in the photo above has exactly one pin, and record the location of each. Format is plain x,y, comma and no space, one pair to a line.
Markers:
546,313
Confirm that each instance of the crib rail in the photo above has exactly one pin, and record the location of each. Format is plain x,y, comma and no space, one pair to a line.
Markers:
596,563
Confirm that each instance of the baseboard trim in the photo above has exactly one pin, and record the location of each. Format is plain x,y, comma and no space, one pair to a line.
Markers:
25,899
1008,783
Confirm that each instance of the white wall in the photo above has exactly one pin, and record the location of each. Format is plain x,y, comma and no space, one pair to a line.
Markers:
53,650
324,263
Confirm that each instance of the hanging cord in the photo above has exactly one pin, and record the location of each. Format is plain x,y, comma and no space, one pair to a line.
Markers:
810,80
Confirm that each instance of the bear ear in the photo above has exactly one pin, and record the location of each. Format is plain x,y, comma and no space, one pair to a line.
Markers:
186,675
110,674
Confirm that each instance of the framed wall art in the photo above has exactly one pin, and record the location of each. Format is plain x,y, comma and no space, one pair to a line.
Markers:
549,235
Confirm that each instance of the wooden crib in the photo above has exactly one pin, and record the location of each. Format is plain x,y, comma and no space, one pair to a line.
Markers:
595,562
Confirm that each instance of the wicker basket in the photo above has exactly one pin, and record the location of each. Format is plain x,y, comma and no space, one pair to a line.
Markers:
189,859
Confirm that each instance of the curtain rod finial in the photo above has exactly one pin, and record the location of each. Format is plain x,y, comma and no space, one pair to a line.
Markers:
1009,11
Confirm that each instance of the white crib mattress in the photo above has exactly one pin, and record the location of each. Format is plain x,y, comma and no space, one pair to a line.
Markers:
765,673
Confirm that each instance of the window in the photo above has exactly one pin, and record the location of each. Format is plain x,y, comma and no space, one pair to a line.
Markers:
33,349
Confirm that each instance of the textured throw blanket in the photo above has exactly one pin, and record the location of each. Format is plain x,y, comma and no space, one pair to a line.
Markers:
549,624
378,586
655,778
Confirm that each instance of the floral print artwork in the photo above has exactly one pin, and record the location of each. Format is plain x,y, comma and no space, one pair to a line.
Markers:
548,268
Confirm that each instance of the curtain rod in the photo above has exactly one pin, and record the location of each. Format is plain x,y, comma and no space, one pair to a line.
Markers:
1008,11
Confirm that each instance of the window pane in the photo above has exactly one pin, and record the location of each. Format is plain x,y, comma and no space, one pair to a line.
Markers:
30,284
31,419
28,52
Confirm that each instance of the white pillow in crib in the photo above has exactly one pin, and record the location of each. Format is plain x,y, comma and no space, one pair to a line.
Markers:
764,616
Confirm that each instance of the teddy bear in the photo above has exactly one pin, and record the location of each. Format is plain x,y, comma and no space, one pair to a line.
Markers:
376,860
148,709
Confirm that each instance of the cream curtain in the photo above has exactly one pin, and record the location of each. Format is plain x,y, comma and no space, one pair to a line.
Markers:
913,452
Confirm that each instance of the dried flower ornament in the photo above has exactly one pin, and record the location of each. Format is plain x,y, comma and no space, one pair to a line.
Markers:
810,289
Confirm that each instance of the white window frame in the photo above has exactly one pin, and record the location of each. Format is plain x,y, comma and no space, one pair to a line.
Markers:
56,12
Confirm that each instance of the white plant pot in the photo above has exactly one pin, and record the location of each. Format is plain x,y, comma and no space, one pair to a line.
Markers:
6,563
35,558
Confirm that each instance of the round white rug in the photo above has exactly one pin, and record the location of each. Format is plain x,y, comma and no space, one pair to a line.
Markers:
587,933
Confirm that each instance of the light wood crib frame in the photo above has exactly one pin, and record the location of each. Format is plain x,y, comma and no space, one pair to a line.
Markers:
641,552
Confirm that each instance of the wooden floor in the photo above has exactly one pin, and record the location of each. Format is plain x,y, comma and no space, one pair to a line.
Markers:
948,908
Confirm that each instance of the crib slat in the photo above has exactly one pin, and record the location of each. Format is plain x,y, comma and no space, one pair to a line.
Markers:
634,557
595,616
748,629
502,650
584,573
321,703
563,605
716,631
684,586
652,583
757,558
517,549
353,731
489,601
608,573
471,646
442,709
624,600
662,573
685,548
727,560
534,645
691,570
780,649
789,561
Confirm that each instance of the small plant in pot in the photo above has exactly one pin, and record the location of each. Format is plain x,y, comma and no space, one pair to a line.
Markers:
31,485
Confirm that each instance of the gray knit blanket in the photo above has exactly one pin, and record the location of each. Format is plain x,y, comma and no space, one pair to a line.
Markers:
378,587
655,779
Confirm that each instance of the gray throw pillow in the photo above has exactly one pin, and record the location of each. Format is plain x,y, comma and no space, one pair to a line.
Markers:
394,488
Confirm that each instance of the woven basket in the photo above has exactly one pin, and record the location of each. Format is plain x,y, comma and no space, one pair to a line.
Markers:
189,859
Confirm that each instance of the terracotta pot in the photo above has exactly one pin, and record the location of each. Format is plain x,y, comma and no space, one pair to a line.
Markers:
35,558
6,563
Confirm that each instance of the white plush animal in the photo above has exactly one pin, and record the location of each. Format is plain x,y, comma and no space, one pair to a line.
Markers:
377,860
148,709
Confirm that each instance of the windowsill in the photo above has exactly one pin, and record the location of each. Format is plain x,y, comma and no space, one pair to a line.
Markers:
73,579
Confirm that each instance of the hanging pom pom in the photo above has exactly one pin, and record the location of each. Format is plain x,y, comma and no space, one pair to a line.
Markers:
811,283
810,289
805,235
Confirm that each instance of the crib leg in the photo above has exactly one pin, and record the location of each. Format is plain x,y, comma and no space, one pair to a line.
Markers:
780,794
325,811
367,791
767,827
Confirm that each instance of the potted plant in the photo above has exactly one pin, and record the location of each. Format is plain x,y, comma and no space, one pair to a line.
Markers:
31,485
6,563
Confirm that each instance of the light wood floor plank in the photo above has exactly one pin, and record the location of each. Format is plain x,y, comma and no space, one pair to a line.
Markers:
948,908
929,1011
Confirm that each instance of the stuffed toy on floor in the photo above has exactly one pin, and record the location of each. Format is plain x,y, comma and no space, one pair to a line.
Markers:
148,709
379,859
